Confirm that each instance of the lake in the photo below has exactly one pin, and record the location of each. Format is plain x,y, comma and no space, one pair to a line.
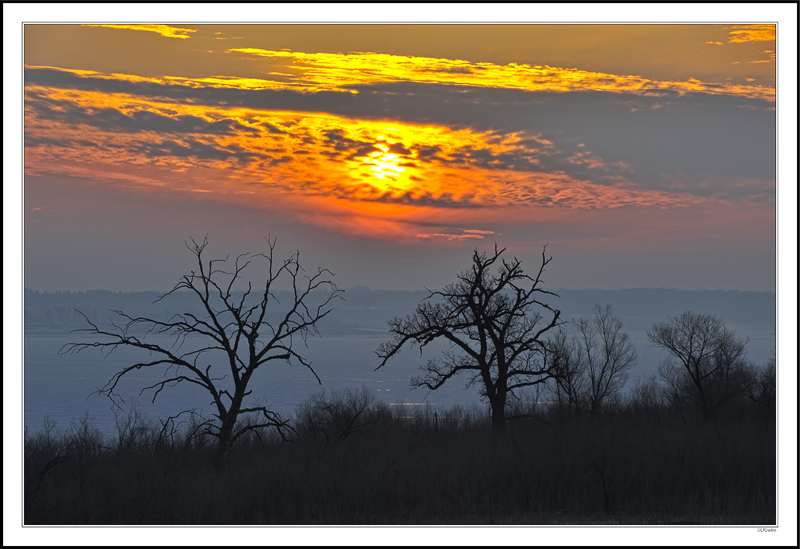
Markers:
62,387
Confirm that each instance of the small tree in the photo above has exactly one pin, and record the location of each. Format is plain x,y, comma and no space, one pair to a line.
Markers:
496,335
331,417
609,355
708,363
591,366
234,326
760,386
568,366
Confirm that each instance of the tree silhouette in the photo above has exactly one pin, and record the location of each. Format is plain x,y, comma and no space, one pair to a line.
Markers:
568,366
710,367
592,365
493,328
222,347
609,354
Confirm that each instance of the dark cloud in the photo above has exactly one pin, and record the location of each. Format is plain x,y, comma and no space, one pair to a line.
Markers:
362,151
32,141
282,160
430,153
36,141
337,146
112,119
193,149
399,149
485,158
446,200
271,128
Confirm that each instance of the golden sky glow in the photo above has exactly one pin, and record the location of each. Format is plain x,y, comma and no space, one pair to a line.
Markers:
163,30
395,145
336,72
752,33
324,71
316,154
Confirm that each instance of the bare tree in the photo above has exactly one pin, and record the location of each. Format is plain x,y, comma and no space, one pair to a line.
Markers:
568,366
709,359
331,417
591,366
222,347
760,386
495,335
609,354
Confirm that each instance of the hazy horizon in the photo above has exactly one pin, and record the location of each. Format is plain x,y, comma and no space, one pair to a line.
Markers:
344,354
367,288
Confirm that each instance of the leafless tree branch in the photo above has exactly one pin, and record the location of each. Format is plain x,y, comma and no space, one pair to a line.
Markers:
233,325
493,318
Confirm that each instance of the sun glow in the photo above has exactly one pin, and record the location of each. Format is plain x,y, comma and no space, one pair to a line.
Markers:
380,178
384,165
239,153
318,153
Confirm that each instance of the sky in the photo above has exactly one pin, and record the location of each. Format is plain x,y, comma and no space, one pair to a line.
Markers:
640,155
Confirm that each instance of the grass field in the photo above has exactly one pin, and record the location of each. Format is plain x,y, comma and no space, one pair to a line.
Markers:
626,466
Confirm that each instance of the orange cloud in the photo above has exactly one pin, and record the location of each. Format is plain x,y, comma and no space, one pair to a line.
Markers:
382,179
163,30
751,33
326,72
335,72
240,153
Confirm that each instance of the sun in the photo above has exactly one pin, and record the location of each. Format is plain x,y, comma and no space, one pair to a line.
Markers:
383,163
386,168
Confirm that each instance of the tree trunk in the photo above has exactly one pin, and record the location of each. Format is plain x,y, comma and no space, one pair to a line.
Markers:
229,418
704,403
498,405
226,433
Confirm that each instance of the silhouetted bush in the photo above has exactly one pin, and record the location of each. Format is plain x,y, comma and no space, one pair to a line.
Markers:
331,417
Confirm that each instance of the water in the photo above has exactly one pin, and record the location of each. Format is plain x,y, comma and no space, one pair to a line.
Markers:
63,387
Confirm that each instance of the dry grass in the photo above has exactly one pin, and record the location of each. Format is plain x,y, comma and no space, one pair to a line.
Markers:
432,468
